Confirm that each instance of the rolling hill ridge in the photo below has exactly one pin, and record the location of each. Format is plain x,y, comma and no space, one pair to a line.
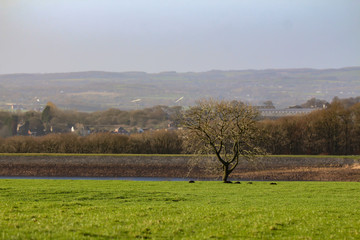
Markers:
96,90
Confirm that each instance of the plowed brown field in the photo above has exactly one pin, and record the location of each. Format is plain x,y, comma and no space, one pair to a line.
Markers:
270,168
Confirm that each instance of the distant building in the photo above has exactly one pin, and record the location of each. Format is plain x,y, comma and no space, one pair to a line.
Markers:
15,107
23,128
286,112
171,126
80,129
121,130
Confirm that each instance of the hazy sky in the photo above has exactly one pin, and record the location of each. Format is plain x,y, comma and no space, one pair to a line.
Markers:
177,35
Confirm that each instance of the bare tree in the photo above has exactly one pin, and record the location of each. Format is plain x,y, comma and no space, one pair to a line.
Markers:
224,128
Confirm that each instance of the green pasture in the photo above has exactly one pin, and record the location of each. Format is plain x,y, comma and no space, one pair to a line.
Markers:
112,209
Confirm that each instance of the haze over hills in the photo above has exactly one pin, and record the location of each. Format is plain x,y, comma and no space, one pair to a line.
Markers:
95,90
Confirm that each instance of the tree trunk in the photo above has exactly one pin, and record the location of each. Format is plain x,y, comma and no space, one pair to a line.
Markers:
226,173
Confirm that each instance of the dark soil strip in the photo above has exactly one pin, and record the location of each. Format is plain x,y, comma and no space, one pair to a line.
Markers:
173,167
175,171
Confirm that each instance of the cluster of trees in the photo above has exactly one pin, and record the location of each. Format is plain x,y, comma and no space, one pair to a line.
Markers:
55,120
154,142
334,131
8,124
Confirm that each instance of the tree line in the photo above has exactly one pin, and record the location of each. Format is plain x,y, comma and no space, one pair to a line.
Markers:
154,142
334,131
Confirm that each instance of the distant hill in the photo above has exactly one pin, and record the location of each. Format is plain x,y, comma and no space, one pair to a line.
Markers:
91,91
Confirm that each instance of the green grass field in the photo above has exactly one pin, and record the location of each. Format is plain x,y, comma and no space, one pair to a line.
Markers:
111,209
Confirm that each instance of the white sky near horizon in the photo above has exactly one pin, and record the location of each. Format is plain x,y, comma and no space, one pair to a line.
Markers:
38,36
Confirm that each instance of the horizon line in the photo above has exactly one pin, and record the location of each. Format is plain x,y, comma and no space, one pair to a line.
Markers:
182,72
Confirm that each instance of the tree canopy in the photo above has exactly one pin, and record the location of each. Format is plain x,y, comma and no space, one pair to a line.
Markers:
224,128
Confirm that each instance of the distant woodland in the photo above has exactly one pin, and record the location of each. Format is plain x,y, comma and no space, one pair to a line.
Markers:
334,130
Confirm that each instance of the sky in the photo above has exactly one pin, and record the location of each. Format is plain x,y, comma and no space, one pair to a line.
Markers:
44,36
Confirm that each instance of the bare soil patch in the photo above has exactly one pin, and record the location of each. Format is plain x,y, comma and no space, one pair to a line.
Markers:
177,167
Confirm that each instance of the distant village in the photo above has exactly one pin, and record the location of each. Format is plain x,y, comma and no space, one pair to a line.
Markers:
82,130
267,110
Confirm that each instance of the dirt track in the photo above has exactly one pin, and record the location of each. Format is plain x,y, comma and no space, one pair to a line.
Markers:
297,169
